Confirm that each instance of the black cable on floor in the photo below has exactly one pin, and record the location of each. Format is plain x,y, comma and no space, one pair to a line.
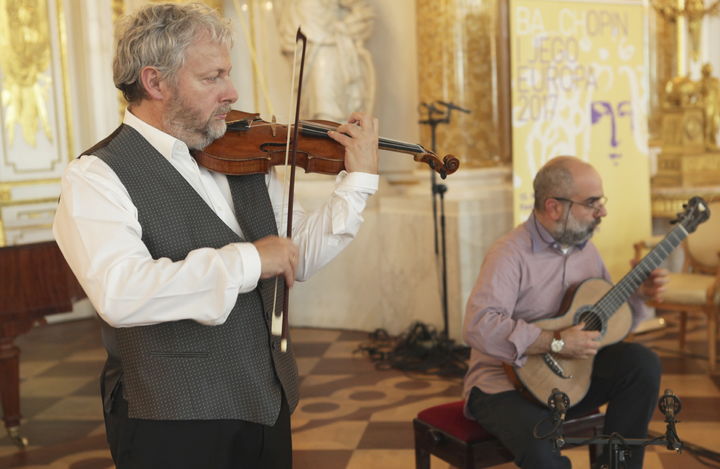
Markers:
421,349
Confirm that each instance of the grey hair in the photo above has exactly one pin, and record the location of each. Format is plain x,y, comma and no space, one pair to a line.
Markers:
553,180
157,36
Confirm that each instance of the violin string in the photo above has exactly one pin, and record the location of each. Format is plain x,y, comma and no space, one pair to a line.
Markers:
320,130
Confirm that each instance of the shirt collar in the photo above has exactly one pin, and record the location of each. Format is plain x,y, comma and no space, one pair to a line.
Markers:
164,143
540,238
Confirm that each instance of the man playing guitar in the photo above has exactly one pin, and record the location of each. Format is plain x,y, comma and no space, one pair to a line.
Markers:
523,279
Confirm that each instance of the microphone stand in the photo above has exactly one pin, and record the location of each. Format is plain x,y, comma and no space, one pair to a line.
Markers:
434,118
421,350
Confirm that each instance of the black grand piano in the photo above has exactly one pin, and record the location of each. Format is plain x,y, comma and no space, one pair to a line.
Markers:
35,282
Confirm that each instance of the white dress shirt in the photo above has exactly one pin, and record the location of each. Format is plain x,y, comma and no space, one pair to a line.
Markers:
97,229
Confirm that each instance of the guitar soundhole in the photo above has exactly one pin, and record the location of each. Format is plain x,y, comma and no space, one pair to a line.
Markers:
592,321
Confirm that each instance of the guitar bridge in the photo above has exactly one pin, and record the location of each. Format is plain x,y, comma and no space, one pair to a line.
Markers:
555,366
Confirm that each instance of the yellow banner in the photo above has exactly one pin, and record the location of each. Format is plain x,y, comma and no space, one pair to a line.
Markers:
579,88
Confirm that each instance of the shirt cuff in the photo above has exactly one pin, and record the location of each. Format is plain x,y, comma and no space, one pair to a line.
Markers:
522,337
358,181
247,266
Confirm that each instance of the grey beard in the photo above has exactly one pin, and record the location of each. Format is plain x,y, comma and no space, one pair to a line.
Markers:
185,124
196,138
572,237
209,135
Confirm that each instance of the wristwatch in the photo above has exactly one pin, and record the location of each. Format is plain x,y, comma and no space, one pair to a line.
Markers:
557,343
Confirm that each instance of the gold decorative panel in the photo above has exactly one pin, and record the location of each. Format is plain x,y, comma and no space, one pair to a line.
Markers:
663,66
120,7
458,63
24,57
35,128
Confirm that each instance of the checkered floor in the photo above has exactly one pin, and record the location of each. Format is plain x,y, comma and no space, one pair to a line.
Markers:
350,416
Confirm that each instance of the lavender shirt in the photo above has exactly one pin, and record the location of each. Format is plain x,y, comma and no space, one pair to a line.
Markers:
523,278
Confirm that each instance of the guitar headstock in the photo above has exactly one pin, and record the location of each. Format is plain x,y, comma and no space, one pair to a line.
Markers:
695,211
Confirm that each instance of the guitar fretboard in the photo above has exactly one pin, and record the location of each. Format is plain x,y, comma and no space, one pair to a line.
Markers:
620,293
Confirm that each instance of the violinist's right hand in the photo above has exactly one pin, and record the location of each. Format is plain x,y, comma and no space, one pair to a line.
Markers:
278,256
360,139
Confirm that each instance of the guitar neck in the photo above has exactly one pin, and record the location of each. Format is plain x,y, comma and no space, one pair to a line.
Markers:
629,284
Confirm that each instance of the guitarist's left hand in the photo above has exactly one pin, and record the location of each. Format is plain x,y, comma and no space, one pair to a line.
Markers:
653,287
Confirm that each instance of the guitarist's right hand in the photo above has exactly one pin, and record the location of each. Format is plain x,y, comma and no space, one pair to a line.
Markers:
579,343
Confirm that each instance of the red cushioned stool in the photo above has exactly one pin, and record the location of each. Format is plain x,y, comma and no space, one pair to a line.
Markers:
444,432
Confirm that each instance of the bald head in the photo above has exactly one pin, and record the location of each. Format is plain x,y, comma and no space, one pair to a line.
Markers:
562,176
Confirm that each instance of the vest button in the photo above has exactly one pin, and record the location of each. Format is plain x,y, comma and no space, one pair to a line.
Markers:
275,345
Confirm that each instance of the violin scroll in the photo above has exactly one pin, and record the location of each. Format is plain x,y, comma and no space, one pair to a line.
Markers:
448,165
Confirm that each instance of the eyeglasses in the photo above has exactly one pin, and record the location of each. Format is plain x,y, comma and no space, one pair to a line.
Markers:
594,203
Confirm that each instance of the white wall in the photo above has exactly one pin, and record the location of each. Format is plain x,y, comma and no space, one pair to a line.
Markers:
394,51
93,97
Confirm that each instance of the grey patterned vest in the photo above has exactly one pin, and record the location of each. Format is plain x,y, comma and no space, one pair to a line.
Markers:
183,370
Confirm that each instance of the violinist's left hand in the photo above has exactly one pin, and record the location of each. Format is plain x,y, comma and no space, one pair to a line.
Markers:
360,139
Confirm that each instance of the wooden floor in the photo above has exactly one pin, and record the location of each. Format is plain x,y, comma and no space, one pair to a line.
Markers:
350,416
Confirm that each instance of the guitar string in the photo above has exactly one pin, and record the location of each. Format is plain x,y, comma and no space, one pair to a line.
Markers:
616,296
612,300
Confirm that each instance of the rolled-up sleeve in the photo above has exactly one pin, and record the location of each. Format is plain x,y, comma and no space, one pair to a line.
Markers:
489,325
323,233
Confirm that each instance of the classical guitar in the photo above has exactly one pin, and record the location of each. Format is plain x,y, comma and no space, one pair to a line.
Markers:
601,307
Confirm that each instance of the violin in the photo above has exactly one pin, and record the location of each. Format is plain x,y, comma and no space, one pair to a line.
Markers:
252,145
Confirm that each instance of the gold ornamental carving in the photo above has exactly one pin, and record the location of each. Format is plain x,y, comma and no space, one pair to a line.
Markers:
457,63
685,111
693,11
663,66
689,163
121,7
24,58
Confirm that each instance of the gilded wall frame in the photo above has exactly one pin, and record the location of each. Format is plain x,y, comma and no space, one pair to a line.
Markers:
36,132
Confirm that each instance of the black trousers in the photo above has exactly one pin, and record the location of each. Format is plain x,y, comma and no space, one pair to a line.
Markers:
197,444
625,375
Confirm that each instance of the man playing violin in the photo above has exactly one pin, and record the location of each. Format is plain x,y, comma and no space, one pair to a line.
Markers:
524,277
180,262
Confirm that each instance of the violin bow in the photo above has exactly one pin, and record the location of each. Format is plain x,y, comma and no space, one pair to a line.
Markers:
279,324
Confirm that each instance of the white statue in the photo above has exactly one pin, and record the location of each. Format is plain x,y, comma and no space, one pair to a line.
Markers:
339,74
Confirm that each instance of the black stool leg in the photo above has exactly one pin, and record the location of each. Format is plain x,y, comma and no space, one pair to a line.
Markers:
422,458
594,449
422,455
